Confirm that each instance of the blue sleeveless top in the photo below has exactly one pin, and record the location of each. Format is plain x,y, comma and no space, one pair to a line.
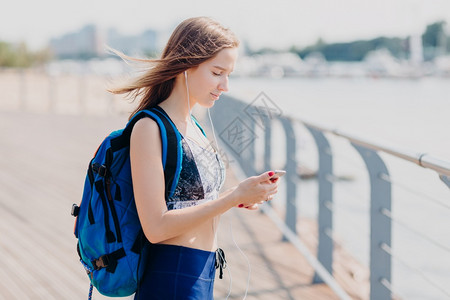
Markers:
202,175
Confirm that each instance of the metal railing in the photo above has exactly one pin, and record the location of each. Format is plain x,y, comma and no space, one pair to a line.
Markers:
237,123
38,90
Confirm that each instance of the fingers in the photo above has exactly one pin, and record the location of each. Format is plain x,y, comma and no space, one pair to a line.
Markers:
256,190
256,205
273,180
273,192
252,207
270,197
265,176
269,190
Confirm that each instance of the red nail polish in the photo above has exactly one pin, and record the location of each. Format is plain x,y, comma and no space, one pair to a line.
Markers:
271,173
241,205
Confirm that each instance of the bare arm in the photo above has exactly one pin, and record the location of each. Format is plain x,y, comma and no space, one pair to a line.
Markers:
160,224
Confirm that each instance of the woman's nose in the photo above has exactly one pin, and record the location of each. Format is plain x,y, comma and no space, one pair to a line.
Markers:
223,85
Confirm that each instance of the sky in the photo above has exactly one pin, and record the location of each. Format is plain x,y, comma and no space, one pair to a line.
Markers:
276,24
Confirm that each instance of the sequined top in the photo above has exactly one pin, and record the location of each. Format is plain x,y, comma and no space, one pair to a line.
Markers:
202,175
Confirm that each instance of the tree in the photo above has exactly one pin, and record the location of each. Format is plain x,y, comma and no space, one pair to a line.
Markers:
19,56
357,50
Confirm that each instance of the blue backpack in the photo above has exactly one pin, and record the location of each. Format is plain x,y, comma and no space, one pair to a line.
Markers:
111,243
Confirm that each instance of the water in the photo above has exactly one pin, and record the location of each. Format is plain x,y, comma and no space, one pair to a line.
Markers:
412,114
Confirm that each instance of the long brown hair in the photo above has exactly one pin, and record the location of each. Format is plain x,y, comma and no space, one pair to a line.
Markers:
194,41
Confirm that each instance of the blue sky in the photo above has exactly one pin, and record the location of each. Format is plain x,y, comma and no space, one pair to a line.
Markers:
277,24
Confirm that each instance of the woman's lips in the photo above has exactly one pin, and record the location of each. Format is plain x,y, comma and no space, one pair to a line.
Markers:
215,96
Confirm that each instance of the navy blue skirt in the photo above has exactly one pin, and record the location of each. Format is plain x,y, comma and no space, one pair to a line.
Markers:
177,272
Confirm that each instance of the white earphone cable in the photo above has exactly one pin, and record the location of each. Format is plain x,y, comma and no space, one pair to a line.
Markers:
246,259
187,92
213,131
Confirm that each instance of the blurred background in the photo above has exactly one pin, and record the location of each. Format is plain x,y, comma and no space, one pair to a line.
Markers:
378,69
332,60
403,38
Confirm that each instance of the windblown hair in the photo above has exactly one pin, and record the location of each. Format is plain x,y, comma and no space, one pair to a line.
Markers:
193,42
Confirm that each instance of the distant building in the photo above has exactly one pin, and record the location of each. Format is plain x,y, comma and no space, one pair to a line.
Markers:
143,43
91,42
416,49
86,43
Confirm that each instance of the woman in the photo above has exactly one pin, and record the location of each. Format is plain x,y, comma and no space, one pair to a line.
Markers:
193,69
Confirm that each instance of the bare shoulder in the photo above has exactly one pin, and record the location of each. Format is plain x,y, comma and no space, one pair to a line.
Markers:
147,125
146,133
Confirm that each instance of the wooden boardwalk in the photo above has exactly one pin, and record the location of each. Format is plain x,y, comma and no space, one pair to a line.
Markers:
43,159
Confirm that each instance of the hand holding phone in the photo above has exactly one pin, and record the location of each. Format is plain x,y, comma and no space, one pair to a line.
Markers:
278,174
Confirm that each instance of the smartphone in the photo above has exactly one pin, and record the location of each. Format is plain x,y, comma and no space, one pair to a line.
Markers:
278,174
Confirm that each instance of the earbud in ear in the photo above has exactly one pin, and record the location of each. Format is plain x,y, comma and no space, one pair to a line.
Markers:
185,73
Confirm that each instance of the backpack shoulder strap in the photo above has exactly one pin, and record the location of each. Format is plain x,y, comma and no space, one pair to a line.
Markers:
172,149
172,154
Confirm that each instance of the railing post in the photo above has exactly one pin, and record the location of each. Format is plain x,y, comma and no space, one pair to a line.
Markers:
52,86
267,146
82,91
23,89
291,176
380,224
250,155
325,219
